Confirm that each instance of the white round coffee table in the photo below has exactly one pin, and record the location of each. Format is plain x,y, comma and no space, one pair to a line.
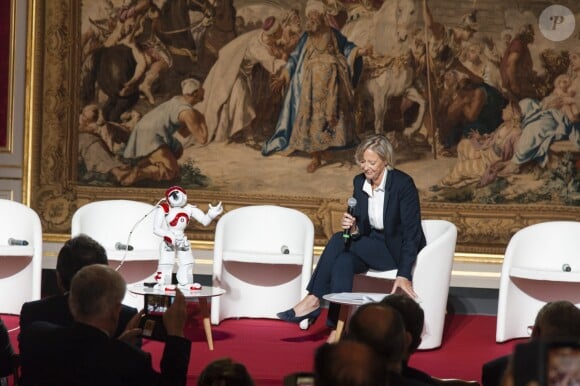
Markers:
201,295
347,300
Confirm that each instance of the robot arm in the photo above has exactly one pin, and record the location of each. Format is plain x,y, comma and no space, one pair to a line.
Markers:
159,227
206,218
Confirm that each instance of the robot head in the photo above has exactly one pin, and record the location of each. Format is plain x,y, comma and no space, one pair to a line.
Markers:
176,196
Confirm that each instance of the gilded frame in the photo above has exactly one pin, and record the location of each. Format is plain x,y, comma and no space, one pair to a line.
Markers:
50,188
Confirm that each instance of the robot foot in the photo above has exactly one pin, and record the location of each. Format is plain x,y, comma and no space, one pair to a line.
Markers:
189,286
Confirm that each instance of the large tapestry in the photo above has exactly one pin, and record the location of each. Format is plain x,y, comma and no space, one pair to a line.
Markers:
253,102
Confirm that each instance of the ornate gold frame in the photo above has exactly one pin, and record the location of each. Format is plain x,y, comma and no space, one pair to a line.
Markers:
49,183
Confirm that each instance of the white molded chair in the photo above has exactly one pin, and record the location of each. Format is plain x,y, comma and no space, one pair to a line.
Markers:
20,266
431,278
534,272
250,264
110,222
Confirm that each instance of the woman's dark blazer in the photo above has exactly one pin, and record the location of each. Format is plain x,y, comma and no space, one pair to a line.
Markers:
401,218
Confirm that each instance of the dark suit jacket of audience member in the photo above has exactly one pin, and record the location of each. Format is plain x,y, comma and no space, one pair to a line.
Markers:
492,371
418,375
84,355
402,380
6,351
54,309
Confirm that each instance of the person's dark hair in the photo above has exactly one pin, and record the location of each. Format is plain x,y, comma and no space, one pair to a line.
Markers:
382,328
557,319
412,313
225,372
348,363
77,253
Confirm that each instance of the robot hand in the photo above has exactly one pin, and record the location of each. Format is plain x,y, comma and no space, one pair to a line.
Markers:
168,240
215,211
171,238
181,242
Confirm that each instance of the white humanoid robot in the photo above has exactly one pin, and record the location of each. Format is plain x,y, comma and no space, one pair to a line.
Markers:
171,219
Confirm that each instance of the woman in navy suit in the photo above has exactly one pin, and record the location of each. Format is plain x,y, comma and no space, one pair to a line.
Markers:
385,230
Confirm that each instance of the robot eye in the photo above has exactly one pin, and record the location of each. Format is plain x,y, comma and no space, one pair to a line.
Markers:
174,195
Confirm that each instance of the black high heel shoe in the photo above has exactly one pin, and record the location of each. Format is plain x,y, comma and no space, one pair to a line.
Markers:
290,316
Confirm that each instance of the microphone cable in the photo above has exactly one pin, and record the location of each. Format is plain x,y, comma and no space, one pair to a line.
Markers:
131,233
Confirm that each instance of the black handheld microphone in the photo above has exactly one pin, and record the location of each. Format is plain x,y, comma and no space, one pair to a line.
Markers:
351,203
122,247
12,241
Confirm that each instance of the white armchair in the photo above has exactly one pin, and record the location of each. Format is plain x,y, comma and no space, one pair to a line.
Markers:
263,259
431,278
541,264
20,265
116,222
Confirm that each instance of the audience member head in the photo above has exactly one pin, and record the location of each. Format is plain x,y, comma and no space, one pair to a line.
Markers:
348,363
382,328
557,319
96,293
75,254
225,372
413,317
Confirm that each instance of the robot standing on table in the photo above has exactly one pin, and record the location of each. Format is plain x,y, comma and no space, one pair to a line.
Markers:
171,219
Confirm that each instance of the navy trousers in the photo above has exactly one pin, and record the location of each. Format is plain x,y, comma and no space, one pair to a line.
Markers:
340,262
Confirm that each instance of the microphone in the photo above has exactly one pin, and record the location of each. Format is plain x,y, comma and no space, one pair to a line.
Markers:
284,249
566,268
351,203
122,247
12,241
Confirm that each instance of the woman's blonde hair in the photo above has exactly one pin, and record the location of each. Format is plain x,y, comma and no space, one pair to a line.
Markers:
379,144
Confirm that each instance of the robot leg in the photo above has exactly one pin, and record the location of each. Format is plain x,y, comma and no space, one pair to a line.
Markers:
165,267
185,271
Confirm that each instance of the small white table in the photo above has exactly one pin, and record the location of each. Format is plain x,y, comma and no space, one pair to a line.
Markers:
346,300
202,295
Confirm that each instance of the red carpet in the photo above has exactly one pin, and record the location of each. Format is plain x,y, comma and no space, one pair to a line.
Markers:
271,349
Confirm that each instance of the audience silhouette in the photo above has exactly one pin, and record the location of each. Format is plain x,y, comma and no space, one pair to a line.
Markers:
556,320
225,372
382,328
75,254
348,363
414,319
84,353
7,355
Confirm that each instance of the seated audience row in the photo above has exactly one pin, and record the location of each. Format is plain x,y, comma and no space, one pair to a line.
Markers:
556,321
65,339
85,353
76,253
392,330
